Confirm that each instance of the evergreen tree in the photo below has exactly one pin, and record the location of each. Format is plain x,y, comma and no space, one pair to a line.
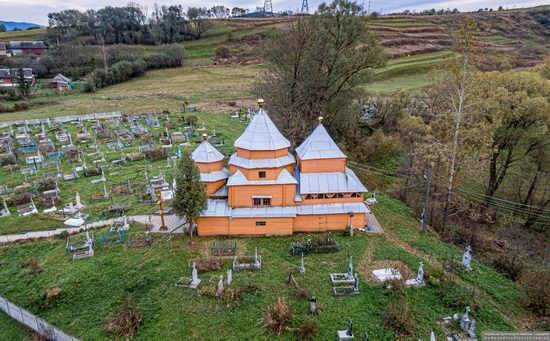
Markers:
24,86
191,197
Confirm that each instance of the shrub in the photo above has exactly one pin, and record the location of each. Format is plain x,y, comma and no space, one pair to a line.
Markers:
223,51
456,296
21,106
278,316
33,265
126,323
535,283
378,146
53,295
398,318
308,329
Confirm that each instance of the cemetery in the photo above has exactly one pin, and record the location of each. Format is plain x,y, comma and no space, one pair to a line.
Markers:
115,169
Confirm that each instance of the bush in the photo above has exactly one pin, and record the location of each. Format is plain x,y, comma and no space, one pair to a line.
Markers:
126,323
223,52
535,283
21,106
398,318
308,329
456,296
378,147
278,316
33,265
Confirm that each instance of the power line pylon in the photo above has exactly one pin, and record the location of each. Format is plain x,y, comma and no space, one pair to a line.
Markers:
268,8
305,7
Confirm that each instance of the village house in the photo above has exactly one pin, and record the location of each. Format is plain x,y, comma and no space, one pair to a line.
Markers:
27,47
8,77
3,49
60,83
269,191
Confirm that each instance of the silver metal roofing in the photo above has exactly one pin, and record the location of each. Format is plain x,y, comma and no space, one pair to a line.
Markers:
206,153
239,179
215,175
319,145
222,192
219,208
262,134
60,79
335,182
261,163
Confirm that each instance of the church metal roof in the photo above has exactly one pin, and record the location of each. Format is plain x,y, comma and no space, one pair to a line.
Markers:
334,182
219,208
215,175
261,163
206,153
319,145
239,179
262,134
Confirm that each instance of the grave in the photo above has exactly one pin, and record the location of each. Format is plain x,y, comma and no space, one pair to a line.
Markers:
112,236
346,334
118,226
344,278
229,276
87,253
72,246
27,209
76,221
247,262
223,248
347,290
146,240
417,282
5,210
220,289
315,245
191,283
313,309
386,274
79,206
467,258
302,267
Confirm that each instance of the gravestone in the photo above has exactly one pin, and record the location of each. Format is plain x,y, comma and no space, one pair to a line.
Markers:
346,334
313,305
302,267
419,280
472,330
5,211
340,278
467,258
219,291
78,205
465,320
229,276
432,336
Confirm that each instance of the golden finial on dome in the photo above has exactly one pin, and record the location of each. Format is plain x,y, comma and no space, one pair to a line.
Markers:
205,136
320,119
260,102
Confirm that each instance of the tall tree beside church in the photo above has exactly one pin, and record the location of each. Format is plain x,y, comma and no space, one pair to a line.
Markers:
191,197
316,67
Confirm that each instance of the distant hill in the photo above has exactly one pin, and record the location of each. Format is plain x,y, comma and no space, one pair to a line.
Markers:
11,25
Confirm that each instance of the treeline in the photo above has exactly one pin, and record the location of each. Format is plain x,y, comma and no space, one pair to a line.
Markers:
131,24
134,66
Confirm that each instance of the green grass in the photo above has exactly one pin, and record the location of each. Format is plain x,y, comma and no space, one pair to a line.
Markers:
154,92
93,288
36,34
496,38
401,23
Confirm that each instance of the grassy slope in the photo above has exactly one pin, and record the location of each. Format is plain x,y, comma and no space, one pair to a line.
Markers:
36,34
94,288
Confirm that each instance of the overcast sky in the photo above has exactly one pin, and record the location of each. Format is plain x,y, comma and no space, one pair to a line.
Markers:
36,11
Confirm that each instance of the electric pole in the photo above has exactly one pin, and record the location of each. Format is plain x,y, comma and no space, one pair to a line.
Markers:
305,7
268,8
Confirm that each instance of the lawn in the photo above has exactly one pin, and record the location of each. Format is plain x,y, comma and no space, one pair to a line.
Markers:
35,34
92,289
156,91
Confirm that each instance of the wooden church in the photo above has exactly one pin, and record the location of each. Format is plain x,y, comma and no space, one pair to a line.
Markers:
269,191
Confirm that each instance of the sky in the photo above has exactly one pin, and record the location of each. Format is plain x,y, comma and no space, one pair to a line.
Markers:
36,11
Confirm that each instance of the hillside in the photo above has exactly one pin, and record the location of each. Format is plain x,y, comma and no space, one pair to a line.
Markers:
12,25
99,284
